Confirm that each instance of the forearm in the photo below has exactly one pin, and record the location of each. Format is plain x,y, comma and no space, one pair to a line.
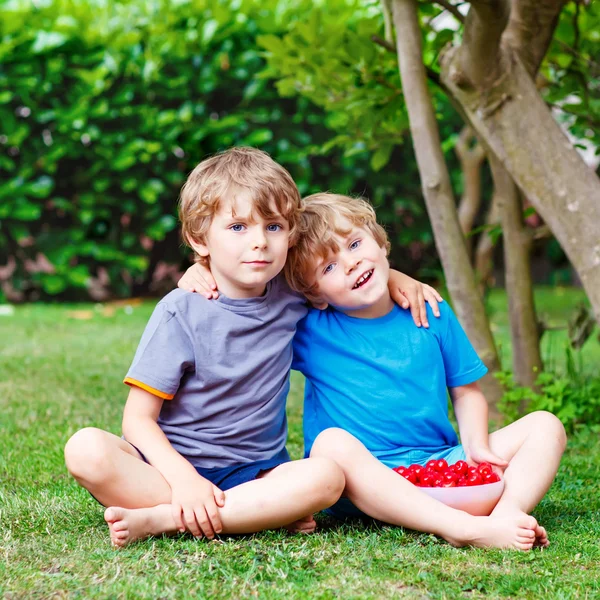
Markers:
471,410
141,429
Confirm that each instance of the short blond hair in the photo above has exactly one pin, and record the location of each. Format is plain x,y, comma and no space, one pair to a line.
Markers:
320,220
240,168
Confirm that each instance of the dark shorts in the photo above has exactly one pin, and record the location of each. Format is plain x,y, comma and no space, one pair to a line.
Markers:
226,478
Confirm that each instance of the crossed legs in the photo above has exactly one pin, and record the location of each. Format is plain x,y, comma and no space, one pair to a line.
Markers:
533,446
139,497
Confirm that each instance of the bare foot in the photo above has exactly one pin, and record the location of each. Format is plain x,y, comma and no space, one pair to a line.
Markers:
128,525
499,532
304,525
541,536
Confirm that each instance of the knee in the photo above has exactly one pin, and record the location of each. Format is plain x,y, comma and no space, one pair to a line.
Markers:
86,454
328,480
334,443
551,427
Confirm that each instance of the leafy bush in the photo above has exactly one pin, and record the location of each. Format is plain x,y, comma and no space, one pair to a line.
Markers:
575,401
104,109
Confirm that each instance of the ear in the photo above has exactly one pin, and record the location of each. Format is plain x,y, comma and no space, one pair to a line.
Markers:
200,248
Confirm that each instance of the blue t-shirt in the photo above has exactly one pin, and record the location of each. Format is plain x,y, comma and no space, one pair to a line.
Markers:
383,380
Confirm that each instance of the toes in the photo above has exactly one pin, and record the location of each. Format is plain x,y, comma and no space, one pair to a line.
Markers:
525,547
113,513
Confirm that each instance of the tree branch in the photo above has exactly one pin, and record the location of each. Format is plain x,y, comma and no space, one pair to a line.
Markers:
530,29
432,75
480,57
451,9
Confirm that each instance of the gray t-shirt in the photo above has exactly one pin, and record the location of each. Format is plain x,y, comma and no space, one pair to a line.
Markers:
223,367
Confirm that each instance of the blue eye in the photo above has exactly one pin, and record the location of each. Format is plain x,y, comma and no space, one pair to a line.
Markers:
237,227
274,227
328,268
355,244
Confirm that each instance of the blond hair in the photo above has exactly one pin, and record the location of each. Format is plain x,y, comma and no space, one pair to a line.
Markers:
323,216
241,168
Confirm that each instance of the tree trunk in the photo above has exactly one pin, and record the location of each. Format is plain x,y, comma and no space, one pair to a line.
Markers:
471,160
437,191
511,119
527,361
484,253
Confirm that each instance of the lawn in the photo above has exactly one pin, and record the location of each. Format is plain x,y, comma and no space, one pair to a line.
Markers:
61,369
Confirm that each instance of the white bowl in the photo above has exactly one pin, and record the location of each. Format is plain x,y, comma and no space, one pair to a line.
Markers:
478,500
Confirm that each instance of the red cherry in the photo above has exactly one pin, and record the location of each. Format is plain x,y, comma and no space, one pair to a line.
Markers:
447,484
438,480
449,476
472,470
431,465
491,478
484,468
474,479
460,467
426,480
441,465
410,476
462,482
400,470
417,470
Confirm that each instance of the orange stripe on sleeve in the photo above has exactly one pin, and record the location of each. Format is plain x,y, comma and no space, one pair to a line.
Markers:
147,388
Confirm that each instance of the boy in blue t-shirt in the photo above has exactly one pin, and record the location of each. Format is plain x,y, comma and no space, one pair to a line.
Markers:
376,390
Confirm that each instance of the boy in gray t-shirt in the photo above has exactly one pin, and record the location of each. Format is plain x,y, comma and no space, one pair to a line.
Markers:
204,424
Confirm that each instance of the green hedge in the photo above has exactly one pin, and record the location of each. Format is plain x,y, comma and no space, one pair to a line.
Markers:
104,109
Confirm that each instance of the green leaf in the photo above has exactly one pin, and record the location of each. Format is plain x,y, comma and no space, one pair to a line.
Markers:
259,137
381,157
23,210
47,40
151,190
53,284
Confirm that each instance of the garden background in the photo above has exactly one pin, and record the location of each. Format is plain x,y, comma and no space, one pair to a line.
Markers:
104,109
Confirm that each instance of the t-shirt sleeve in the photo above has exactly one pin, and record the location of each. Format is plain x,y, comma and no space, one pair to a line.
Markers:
300,346
461,362
164,354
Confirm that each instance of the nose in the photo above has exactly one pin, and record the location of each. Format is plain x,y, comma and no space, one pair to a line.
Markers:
259,239
352,263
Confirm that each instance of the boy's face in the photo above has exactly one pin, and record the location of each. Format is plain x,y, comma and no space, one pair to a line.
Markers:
245,251
355,279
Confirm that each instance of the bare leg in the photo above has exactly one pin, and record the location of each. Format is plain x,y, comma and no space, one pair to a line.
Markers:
382,494
113,471
286,494
533,446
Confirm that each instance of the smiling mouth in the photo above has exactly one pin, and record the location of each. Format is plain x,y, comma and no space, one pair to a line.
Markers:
363,279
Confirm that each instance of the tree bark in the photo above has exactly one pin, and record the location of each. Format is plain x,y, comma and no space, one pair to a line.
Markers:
471,160
527,360
511,119
484,253
438,195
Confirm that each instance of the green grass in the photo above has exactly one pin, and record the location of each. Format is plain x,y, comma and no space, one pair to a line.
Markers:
58,374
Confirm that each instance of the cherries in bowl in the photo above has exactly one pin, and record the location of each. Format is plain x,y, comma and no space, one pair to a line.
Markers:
475,490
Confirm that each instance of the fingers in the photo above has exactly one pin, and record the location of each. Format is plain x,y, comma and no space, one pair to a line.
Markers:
179,523
219,496
214,520
400,298
432,298
204,522
495,460
191,523
422,307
